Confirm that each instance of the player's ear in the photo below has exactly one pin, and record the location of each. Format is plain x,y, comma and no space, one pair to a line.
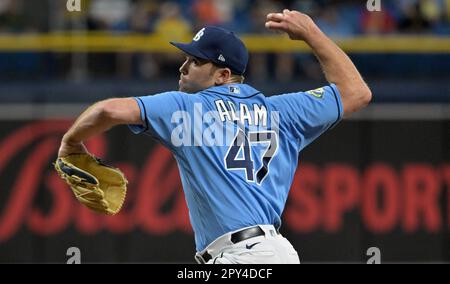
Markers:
222,76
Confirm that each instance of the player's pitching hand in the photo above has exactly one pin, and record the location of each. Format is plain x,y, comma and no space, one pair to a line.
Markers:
297,25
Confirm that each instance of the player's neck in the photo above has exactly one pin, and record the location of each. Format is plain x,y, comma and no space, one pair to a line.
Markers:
231,81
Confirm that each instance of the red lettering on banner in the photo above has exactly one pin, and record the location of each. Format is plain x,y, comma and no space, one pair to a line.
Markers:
23,190
161,183
341,186
150,199
382,179
97,146
446,180
86,221
320,197
421,185
303,212
58,218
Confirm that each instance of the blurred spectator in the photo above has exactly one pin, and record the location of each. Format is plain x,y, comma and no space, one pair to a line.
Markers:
109,14
11,17
434,12
431,10
172,26
381,22
172,20
171,23
334,17
143,16
413,19
213,12
443,26
309,7
333,24
205,13
16,16
259,13
259,62
447,9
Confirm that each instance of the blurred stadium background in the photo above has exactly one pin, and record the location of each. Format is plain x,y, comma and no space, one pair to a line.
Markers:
379,179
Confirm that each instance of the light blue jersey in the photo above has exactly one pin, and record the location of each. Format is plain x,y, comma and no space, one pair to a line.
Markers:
237,150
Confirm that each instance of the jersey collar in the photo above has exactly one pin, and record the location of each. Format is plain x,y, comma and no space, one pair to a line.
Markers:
234,90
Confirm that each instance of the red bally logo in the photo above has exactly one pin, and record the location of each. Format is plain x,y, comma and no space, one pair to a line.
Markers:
410,198
148,193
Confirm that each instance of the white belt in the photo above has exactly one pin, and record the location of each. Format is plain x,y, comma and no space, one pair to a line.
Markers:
231,238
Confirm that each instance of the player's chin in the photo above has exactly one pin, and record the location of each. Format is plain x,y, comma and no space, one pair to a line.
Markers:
183,87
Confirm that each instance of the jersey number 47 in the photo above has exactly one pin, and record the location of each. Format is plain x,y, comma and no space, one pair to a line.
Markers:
243,143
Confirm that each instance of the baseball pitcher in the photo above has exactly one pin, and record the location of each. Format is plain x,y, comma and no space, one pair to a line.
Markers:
237,150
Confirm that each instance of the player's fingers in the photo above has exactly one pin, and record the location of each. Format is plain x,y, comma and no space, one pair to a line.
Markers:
274,25
285,11
276,17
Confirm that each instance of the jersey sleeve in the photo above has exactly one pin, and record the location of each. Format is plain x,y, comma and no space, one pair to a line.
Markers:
306,115
157,112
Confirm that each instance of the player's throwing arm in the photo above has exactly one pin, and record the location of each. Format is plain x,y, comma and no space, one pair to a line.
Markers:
337,66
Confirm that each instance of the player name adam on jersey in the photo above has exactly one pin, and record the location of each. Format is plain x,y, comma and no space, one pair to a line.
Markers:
254,114
198,128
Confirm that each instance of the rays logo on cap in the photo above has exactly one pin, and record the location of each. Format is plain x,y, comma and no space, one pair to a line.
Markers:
199,35
219,46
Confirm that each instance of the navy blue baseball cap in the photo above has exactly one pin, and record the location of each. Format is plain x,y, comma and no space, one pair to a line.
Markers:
219,46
